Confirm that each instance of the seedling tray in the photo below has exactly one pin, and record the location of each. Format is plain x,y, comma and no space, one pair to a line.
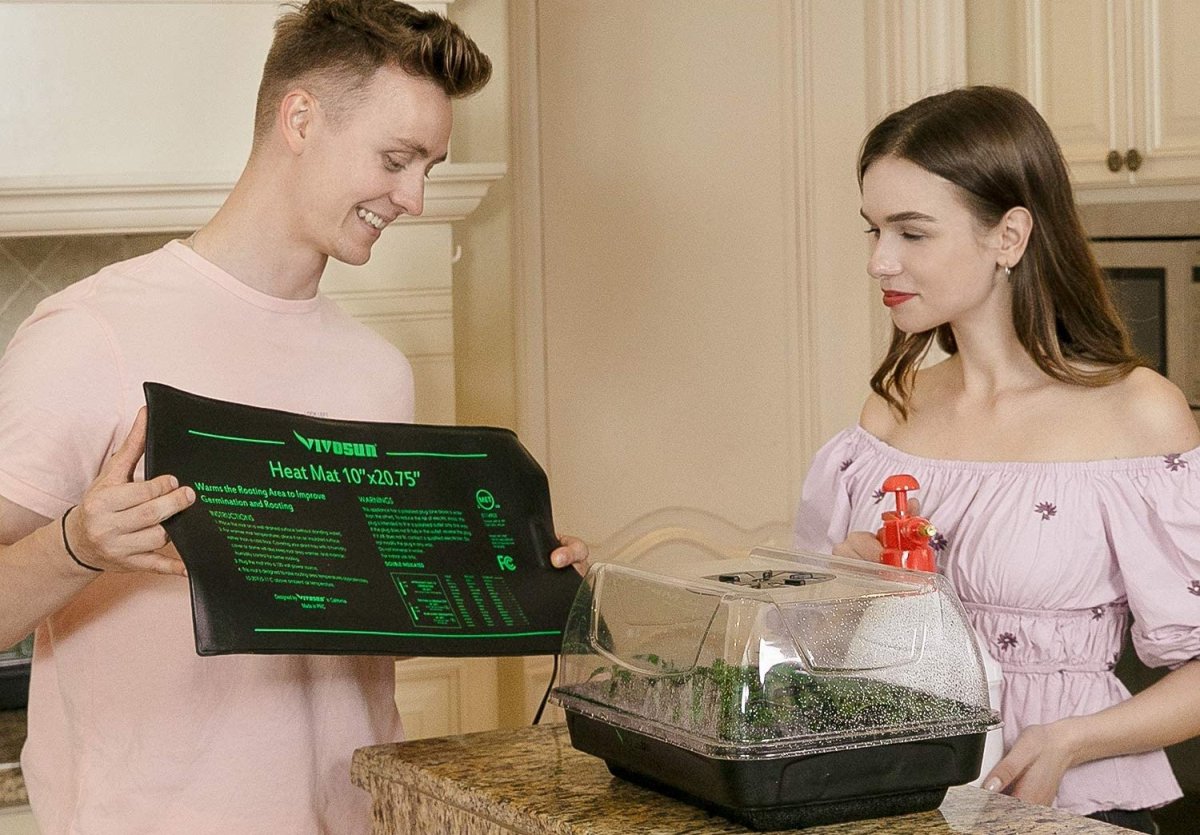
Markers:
790,792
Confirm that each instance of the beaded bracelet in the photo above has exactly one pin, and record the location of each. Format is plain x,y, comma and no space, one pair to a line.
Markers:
67,545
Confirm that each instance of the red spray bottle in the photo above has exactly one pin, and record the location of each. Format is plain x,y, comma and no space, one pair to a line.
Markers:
905,537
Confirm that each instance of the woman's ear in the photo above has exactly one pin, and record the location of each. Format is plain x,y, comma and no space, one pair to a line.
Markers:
295,118
1013,233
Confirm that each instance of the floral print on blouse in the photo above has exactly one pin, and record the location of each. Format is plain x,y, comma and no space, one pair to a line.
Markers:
1052,561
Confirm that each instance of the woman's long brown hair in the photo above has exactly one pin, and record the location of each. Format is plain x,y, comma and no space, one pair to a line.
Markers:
995,146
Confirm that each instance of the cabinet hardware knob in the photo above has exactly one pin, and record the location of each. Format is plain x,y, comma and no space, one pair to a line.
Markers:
1133,160
1115,161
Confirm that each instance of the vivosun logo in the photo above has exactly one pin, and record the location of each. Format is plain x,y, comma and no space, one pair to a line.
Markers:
350,449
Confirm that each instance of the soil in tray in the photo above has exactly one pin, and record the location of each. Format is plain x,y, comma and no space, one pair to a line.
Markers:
731,704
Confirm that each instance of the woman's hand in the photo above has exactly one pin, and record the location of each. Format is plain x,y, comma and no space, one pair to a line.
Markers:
571,551
864,545
1163,714
117,525
1034,766
860,545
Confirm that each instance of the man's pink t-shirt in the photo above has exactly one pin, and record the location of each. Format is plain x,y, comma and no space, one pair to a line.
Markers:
129,730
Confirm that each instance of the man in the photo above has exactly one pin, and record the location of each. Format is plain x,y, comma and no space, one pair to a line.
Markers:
130,731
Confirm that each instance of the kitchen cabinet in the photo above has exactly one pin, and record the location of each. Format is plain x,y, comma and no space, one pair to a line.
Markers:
15,818
1115,79
116,117
17,821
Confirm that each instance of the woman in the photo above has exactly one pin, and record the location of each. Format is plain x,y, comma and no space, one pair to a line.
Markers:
1063,476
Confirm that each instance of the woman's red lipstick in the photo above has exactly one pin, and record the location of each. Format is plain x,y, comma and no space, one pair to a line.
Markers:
891,298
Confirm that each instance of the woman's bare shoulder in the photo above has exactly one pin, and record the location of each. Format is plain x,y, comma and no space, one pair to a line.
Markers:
1153,414
929,387
877,416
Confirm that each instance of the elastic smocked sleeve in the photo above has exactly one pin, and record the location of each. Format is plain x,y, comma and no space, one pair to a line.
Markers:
823,517
1154,526
59,409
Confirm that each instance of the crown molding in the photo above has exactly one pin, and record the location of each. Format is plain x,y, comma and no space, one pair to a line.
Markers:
32,206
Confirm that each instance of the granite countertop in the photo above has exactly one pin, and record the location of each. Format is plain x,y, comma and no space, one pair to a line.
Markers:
532,781
12,737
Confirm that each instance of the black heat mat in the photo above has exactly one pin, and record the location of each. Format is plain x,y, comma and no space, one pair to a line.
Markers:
312,535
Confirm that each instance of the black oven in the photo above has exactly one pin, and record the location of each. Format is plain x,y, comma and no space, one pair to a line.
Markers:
14,674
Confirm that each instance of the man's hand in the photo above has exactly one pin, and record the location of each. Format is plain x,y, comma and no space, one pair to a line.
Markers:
118,523
571,551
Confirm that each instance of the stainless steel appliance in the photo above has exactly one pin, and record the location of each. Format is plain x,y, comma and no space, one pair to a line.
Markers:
1156,285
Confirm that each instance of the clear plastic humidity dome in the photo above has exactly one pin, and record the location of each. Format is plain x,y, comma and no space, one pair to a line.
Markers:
780,689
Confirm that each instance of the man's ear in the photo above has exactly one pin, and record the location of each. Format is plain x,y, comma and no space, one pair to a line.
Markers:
1013,233
296,112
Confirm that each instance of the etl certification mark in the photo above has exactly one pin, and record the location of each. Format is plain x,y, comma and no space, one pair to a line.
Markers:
484,500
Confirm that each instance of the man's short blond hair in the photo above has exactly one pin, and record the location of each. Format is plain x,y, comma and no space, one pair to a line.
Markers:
336,47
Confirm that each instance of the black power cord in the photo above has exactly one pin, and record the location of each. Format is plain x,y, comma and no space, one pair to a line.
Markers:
546,696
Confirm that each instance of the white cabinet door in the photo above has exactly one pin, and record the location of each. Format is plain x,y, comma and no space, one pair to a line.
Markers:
17,820
1115,79
1077,76
1167,95
446,696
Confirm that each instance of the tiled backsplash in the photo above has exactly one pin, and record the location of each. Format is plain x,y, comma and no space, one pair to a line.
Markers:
33,268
